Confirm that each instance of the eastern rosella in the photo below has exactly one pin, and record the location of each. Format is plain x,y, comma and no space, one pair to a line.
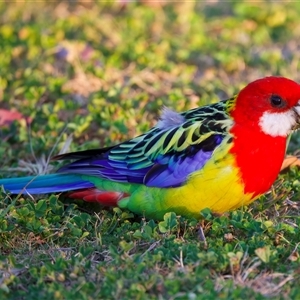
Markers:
220,156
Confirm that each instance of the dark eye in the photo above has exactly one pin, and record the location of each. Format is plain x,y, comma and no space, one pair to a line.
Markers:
277,101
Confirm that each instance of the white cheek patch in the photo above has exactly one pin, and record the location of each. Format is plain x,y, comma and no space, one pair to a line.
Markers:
278,124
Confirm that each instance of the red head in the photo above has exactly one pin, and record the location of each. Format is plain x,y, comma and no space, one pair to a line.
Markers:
271,104
265,112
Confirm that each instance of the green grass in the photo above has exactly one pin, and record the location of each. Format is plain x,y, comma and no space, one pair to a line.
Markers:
96,74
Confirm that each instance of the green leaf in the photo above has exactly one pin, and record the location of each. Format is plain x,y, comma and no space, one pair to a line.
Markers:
169,224
263,253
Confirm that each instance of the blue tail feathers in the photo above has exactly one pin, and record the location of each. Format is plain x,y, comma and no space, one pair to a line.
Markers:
44,184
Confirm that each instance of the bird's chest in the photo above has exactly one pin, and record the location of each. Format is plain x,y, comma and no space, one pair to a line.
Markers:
238,173
259,158
217,186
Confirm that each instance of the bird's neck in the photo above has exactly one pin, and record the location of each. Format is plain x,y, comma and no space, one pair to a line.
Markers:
258,156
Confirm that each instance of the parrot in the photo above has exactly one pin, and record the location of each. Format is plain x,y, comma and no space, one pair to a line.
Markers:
219,156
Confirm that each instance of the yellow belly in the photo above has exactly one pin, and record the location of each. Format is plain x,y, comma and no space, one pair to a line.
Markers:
217,186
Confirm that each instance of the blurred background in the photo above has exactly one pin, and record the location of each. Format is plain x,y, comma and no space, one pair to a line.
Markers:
86,74
100,72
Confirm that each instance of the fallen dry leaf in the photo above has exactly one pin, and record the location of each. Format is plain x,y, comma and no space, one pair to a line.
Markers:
290,161
8,116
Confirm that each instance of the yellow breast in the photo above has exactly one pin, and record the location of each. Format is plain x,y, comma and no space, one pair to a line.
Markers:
218,186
